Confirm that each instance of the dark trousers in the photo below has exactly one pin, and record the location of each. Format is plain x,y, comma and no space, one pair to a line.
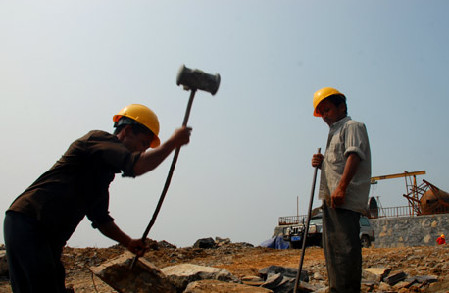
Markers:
34,263
342,249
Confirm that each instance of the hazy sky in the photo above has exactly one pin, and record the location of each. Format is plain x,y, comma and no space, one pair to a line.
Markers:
67,67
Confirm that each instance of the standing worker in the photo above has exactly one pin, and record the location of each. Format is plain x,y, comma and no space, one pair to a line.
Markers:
42,219
344,189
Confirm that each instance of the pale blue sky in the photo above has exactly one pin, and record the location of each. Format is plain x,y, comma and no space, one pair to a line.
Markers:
67,67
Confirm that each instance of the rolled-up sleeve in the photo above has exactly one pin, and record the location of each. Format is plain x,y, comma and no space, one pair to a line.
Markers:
356,137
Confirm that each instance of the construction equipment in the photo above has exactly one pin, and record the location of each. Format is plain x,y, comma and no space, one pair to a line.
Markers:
398,175
423,199
192,80
413,190
434,200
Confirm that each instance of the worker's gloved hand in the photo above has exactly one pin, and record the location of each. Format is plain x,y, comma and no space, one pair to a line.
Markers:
137,246
317,160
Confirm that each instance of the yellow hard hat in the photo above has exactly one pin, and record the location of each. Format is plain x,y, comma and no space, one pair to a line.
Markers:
442,235
320,95
144,116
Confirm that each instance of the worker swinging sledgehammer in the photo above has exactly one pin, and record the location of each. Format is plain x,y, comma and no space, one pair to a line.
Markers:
42,219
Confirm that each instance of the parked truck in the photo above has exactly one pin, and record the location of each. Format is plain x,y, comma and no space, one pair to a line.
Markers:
294,232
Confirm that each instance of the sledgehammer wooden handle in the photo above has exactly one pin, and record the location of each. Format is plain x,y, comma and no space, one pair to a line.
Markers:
169,177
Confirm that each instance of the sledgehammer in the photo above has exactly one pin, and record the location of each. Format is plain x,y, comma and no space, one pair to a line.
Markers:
192,80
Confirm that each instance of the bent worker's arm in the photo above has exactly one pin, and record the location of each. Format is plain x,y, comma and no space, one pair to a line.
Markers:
149,160
338,196
111,230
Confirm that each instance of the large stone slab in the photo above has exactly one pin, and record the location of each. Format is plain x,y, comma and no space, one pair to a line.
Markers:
144,277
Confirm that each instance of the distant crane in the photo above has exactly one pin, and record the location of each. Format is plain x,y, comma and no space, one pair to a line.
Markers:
413,190
423,199
398,175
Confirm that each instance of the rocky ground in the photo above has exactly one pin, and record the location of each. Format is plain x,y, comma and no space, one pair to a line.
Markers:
243,260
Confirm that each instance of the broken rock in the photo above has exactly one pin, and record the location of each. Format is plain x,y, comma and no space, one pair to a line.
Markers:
273,281
375,274
205,243
215,286
222,241
144,277
395,277
252,280
427,279
283,279
286,272
181,275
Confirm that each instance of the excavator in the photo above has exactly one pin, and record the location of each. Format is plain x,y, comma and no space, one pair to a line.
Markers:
423,199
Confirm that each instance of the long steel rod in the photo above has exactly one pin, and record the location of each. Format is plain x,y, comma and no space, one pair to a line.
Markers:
306,231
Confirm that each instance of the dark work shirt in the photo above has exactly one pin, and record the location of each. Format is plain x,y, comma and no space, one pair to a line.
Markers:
77,185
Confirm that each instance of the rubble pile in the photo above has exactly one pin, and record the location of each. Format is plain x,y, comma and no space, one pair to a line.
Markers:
240,267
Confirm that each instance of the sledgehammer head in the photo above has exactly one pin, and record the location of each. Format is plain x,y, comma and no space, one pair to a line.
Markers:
193,79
